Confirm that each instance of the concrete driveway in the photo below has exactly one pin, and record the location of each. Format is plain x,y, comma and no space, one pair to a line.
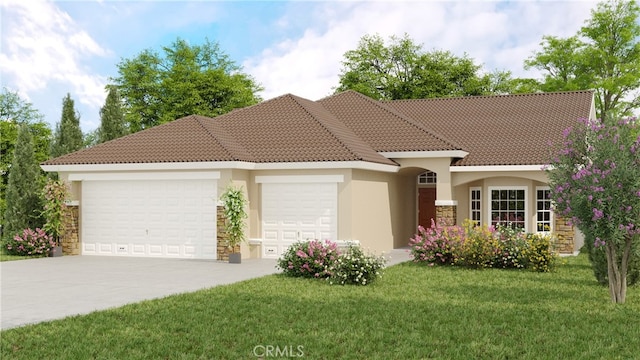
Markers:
44,289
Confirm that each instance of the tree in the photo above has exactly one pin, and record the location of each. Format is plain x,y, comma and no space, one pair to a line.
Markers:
112,124
13,112
595,180
604,55
23,195
185,80
402,70
68,135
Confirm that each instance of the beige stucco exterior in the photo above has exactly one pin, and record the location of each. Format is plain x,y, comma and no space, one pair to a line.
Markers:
378,208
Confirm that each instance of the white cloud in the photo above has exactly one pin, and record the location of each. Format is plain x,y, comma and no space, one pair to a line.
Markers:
499,35
42,44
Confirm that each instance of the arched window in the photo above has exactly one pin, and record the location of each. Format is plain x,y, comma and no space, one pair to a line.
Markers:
427,177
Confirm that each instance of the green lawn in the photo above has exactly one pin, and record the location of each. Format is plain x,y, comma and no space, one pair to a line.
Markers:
6,257
414,312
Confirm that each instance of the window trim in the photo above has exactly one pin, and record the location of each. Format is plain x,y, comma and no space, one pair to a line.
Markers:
489,201
551,214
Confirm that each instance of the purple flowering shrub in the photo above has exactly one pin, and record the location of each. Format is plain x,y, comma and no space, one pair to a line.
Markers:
308,259
30,243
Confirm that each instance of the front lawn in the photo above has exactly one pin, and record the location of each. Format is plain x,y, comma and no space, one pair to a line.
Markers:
413,312
6,257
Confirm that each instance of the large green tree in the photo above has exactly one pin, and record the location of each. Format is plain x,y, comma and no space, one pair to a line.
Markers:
185,79
24,190
15,111
604,55
68,135
112,124
402,70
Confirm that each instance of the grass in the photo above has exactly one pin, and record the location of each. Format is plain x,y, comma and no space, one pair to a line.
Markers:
413,312
6,257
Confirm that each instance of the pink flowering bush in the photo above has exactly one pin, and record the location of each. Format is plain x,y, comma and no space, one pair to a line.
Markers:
436,245
308,259
30,243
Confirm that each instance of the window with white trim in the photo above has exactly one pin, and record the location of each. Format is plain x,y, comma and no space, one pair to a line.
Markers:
543,209
427,177
508,207
475,205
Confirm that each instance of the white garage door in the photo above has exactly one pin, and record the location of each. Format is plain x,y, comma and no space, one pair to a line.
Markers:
153,218
297,211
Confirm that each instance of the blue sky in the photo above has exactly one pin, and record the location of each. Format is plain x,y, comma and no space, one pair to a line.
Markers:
51,48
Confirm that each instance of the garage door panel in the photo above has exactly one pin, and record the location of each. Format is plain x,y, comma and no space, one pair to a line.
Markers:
293,212
172,218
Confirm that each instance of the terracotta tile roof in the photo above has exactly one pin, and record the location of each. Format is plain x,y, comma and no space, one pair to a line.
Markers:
382,127
495,130
501,130
182,140
284,129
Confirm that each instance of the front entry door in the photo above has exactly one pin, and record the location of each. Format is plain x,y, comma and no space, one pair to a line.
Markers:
426,206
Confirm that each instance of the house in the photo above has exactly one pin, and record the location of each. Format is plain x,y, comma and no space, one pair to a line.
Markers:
345,167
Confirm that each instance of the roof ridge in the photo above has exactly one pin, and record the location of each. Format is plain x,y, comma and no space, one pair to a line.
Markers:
223,143
409,120
330,128
542,93
325,126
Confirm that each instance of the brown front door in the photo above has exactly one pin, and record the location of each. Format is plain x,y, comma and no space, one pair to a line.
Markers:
426,206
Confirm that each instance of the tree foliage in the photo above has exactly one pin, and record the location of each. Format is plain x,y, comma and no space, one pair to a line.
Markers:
24,190
595,180
68,135
402,70
183,80
112,124
604,55
13,112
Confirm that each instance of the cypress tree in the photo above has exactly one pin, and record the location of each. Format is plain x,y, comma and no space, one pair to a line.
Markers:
68,135
111,117
24,190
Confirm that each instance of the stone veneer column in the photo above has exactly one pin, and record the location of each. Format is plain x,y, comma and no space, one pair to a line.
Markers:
446,214
221,237
70,239
564,235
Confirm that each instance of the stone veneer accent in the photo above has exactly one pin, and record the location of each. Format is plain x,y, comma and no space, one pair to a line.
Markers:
564,234
446,214
223,249
70,239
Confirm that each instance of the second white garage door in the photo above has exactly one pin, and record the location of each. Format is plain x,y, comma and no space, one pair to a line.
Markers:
150,218
297,211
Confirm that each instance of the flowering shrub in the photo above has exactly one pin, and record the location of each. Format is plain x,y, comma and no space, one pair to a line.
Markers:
436,245
482,247
354,267
30,242
55,193
308,259
478,247
538,254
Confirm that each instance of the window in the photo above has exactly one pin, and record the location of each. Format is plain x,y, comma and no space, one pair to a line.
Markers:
543,209
427,177
508,207
475,202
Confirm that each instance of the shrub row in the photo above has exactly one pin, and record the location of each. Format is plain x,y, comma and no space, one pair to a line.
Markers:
482,247
316,259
